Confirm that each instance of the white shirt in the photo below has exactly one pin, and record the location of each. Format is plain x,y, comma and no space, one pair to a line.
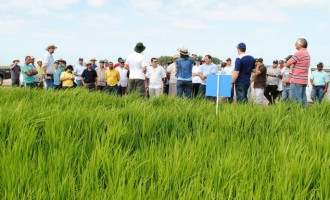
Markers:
79,70
123,76
48,61
196,79
136,61
156,76
172,69
101,76
228,70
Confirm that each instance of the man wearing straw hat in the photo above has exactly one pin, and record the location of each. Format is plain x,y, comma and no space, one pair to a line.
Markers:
15,71
137,67
171,74
48,66
184,73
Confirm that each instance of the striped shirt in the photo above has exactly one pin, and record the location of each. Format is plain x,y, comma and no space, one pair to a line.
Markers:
299,73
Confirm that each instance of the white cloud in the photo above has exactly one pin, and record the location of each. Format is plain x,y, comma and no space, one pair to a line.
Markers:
323,26
96,3
265,30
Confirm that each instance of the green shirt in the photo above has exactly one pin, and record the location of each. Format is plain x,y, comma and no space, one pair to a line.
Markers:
320,78
27,78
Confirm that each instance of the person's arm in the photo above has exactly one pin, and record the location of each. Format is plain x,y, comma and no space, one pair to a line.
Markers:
326,88
234,77
236,70
118,75
312,80
83,78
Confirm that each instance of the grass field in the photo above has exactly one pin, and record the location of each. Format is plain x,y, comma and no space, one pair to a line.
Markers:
74,144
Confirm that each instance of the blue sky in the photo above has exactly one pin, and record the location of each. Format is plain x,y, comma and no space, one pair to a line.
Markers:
110,29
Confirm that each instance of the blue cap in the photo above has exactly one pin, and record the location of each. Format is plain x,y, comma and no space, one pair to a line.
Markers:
241,46
197,59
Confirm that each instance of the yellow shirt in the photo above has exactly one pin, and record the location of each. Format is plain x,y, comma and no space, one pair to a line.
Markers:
67,83
112,77
40,72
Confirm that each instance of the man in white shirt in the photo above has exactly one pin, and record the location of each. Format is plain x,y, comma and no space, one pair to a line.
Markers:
171,72
48,66
78,70
123,81
155,78
137,67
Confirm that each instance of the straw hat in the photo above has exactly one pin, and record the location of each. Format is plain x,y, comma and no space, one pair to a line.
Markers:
51,46
183,51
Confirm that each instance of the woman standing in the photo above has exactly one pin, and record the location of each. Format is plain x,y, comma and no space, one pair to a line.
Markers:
67,77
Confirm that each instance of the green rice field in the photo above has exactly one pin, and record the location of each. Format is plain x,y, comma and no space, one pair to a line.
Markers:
80,145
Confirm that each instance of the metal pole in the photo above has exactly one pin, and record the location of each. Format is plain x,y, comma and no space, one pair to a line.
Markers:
218,81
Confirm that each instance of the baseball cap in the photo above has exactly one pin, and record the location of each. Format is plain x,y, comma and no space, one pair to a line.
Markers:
241,46
81,59
275,62
320,64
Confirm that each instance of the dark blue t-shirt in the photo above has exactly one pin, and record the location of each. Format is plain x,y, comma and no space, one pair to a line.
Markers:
244,65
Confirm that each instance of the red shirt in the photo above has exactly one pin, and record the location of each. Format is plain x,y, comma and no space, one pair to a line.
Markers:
301,62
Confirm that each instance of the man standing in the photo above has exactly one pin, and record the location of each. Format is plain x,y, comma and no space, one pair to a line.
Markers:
15,71
273,74
89,77
171,74
101,81
93,61
207,68
58,71
285,73
78,70
155,78
137,67
118,62
320,82
123,81
184,73
259,81
39,69
244,65
112,76
48,66
28,72
299,74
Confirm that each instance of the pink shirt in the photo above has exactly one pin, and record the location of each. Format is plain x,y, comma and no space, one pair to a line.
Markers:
301,62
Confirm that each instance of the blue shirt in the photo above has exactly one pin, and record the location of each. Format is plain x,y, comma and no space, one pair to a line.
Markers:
27,78
244,65
206,69
57,75
319,78
184,71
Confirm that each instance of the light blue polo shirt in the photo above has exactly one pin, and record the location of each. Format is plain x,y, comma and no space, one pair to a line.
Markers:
27,78
206,69
319,78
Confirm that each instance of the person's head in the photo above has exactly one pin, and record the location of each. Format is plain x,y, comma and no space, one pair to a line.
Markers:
89,65
319,66
39,62
102,63
194,56
139,47
69,69
241,48
28,60
275,63
197,61
259,62
32,59
106,62
51,48
154,62
122,63
208,59
81,61
175,57
223,64
93,60
184,53
110,65
56,64
281,63
228,61
119,59
16,61
301,43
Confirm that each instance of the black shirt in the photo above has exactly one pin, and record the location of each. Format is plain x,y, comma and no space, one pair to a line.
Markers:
89,76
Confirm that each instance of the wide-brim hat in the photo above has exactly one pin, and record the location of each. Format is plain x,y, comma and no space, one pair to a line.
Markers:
89,63
93,59
51,46
139,47
16,59
183,51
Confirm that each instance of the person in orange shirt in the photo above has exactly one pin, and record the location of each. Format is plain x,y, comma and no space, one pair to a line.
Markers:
112,76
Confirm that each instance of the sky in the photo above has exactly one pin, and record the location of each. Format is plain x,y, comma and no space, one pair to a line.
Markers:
108,29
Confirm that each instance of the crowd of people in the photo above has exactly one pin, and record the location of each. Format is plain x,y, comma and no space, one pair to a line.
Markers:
184,76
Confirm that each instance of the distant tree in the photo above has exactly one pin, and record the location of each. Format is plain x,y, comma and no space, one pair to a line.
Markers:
216,60
164,60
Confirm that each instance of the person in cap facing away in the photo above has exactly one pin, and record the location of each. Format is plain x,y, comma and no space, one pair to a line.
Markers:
259,81
320,81
137,67
48,66
67,77
89,77
244,65
78,70
184,73
171,75
285,73
15,71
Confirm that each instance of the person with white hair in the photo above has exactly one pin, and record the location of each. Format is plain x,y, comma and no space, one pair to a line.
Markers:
48,66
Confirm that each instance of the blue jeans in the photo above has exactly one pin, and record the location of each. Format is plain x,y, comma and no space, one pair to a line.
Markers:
286,92
79,83
184,87
317,93
112,89
241,93
202,90
49,82
298,93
